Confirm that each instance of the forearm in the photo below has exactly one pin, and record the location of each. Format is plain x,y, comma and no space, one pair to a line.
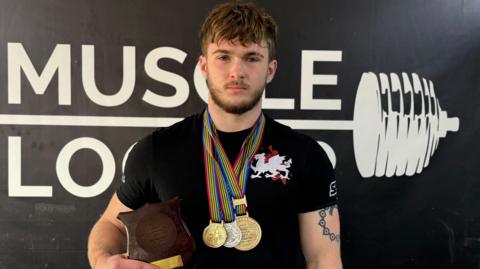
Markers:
105,239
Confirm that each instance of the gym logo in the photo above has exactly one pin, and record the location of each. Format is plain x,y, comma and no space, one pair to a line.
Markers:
271,165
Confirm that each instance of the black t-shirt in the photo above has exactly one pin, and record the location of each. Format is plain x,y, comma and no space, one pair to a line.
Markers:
290,174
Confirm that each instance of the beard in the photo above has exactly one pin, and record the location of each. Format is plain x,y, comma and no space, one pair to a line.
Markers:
228,106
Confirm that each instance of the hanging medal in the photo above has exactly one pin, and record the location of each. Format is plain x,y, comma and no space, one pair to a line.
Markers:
214,235
231,184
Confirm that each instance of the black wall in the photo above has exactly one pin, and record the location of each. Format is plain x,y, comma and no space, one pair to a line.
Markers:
428,219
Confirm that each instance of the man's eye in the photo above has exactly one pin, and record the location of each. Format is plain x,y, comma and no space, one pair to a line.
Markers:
253,59
223,57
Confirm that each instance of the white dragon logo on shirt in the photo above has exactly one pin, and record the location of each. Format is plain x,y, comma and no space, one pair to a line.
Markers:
272,166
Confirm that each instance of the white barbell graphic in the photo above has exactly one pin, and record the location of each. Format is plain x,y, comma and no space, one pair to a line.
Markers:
397,124
398,141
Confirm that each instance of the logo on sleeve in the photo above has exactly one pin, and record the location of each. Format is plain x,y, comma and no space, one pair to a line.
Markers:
271,165
333,188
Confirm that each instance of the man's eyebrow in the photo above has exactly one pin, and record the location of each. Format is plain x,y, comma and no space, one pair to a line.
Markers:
248,54
221,51
254,53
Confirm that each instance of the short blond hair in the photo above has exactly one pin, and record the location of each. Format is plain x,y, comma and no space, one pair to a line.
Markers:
242,22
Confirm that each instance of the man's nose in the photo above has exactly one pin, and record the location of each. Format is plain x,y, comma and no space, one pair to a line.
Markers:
237,70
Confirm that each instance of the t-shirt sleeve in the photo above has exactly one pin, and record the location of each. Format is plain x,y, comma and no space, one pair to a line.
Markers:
318,185
137,186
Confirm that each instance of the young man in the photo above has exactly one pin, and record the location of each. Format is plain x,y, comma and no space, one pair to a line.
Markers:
218,158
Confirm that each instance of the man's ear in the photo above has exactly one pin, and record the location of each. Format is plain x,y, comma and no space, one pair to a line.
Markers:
272,68
202,62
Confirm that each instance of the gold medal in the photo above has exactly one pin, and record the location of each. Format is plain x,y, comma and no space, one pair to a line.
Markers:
251,232
214,235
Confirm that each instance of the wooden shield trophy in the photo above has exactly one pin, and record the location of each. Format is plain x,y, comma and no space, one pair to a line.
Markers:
157,234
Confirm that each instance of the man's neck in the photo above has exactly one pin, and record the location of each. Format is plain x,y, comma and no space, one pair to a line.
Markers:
229,122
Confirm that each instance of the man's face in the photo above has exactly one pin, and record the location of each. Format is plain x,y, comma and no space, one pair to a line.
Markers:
236,75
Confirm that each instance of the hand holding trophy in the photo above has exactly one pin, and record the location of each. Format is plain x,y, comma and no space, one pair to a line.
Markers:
157,234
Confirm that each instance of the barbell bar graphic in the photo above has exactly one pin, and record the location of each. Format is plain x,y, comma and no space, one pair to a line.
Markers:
397,124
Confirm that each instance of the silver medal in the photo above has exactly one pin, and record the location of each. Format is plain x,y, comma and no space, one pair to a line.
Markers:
234,235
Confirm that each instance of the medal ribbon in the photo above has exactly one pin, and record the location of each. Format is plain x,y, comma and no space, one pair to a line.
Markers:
230,181
210,176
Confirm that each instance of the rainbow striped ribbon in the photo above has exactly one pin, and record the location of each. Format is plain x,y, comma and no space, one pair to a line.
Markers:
224,181
210,176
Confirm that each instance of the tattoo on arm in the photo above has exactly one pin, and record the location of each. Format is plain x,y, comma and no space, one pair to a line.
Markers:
323,223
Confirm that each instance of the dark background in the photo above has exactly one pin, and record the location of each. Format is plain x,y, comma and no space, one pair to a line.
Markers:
429,220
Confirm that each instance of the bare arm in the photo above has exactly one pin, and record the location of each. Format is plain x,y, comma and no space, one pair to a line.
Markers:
107,241
320,237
